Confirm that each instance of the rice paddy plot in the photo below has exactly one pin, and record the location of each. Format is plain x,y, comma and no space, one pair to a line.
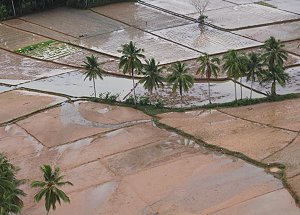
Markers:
185,7
284,32
290,5
13,39
39,30
162,50
248,15
76,23
19,69
140,16
209,40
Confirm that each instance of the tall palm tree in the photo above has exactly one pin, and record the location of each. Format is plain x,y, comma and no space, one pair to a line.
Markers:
92,70
130,61
234,66
254,68
208,67
152,76
50,187
13,7
180,78
274,56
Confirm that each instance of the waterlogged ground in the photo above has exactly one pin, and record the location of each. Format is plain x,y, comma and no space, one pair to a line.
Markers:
118,159
115,171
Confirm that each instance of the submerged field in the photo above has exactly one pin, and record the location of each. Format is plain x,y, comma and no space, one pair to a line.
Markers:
123,161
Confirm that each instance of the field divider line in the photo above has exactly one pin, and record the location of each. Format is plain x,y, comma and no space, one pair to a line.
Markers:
62,41
255,122
291,142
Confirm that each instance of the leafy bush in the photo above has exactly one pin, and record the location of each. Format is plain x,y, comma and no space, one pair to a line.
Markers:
3,12
109,97
144,100
10,201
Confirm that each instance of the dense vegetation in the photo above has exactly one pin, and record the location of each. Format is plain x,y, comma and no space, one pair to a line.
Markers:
10,8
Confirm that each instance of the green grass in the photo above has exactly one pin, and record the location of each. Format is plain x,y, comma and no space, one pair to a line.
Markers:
246,102
153,110
28,49
263,3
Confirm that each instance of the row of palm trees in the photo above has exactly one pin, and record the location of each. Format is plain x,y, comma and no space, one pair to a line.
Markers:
267,66
10,194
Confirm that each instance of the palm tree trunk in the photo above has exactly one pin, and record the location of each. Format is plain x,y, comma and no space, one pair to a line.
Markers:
273,90
13,7
209,98
133,84
235,89
252,80
241,88
180,91
94,88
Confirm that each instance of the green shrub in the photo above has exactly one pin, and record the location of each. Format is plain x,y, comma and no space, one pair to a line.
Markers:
3,12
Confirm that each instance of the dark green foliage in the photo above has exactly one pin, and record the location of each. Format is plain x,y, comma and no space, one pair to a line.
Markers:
180,78
3,12
109,97
27,49
10,201
152,75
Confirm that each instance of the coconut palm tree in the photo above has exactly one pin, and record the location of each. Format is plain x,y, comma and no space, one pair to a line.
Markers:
254,68
50,188
130,61
92,70
180,78
234,66
208,67
274,56
277,75
152,75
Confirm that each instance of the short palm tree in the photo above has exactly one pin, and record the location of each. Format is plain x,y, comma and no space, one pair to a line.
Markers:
152,76
208,67
180,78
277,75
234,66
130,61
92,70
274,56
50,187
254,68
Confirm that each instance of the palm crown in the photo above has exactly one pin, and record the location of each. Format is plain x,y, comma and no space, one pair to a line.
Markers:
152,75
208,66
180,78
50,187
92,70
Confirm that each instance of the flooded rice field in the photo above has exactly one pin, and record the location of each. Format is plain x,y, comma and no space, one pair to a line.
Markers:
119,159
185,7
73,84
19,69
247,15
284,32
39,30
137,168
210,40
162,50
13,39
290,5
77,23
140,16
